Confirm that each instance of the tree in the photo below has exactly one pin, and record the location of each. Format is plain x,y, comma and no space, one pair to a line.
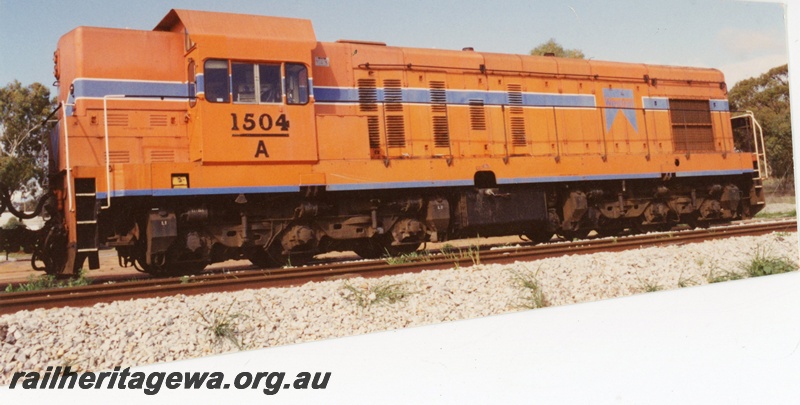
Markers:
767,96
553,47
23,151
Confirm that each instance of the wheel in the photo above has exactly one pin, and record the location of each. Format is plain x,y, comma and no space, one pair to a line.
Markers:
272,257
575,234
402,249
608,232
370,249
539,235
261,259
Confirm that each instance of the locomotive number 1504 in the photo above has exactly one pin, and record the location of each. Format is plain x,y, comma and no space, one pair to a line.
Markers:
264,122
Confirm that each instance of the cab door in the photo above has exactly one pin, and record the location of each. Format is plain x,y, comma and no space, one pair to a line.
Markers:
257,112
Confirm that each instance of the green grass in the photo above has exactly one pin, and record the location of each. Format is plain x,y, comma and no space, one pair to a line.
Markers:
650,285
223,325
786,214
713,277
764,263
684,282
457,254
381,293
532,295
47,281
419,256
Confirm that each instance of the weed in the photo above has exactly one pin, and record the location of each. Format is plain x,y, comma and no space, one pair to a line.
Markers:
49,281
764,264
712,278
380,293
223,325
423,256
533,295
474,253
185,279
700,262
650,286
686,282
762,214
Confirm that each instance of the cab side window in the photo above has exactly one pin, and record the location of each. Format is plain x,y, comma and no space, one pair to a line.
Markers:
296,84
256,83
269,83
217,83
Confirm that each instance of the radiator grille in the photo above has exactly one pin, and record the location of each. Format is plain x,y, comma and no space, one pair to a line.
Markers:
441,132
438,97
518,137
477,115
441,127
117,119
162,156
691,125
374,130
517,119
158,120
393,95
367,95
515,96
119,156
395,131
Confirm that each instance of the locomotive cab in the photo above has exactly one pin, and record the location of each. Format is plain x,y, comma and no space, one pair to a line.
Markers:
252,93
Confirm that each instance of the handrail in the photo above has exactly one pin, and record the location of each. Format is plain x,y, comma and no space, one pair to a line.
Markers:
108,152
758,144
66,151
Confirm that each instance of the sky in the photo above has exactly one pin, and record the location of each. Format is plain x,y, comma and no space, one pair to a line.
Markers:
743,39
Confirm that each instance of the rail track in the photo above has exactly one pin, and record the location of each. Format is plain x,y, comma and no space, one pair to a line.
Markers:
221,282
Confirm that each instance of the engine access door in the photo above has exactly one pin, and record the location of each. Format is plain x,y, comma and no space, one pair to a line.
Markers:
257,112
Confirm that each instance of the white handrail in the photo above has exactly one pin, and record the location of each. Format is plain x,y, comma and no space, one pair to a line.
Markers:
758,144
66,152
108,153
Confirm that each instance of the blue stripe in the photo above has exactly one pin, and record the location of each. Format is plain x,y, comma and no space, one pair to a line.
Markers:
201,83
396,185
101,88
662,103
655,103
459,97
336,94
719,105
555,179
714,173
417,96
182,192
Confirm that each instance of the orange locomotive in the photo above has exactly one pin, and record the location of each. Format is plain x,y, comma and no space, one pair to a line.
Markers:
222,136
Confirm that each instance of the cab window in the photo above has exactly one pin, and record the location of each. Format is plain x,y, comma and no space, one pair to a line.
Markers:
217,83
256,83
296,84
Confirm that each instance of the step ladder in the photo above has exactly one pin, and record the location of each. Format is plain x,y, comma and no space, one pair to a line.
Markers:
86,216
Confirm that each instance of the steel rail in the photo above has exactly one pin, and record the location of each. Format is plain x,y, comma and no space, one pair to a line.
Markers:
251,279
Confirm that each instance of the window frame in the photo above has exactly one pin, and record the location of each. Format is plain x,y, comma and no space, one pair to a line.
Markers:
303,82
307,87
206,81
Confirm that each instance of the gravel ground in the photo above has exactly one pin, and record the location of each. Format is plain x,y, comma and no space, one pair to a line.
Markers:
778,208
139,332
